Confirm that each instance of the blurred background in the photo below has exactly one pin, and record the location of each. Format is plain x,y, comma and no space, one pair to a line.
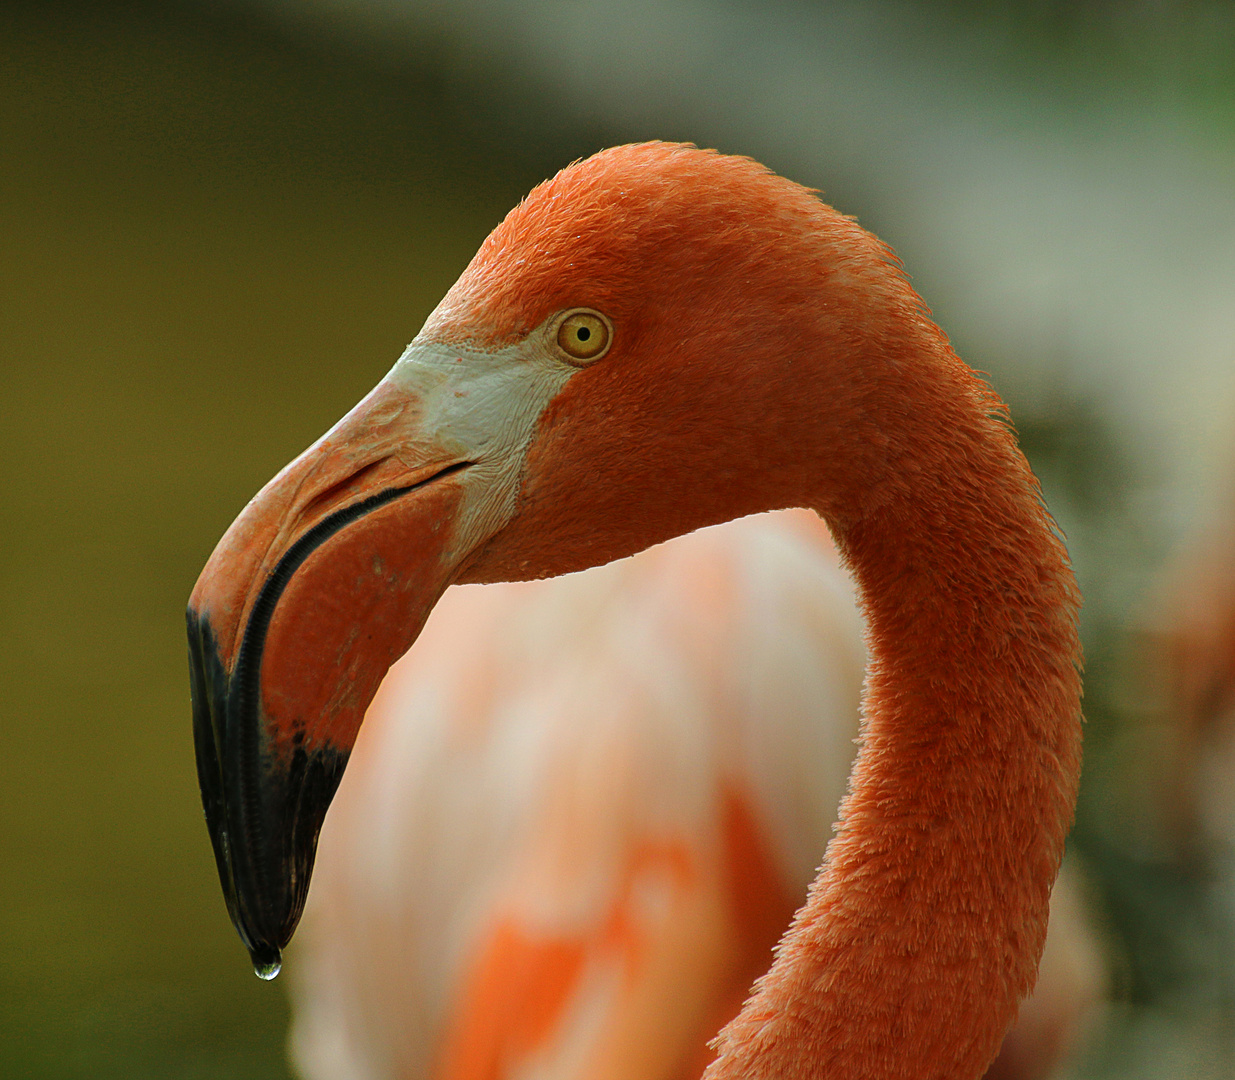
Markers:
222,220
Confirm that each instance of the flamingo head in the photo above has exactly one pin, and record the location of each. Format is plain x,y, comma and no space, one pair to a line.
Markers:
635,352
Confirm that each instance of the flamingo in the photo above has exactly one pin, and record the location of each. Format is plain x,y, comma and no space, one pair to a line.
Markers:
635,788
659,339
1194,641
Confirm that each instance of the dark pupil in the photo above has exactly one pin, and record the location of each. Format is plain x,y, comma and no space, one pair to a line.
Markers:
583,333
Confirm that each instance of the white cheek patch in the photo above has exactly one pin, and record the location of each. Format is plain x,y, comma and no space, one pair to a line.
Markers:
484,408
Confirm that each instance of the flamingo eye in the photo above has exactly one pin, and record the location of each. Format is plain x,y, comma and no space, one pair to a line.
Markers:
584,335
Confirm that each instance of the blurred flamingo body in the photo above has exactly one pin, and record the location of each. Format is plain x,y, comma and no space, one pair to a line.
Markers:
583,811
568,846
1196,653
657,340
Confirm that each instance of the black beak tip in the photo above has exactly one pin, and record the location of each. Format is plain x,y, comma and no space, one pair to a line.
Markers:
264,809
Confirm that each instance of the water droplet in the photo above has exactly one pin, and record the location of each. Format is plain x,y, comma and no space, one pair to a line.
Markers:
267,961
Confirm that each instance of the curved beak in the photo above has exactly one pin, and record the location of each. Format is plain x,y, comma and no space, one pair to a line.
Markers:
323,581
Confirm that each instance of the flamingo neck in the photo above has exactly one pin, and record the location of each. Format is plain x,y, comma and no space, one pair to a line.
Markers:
926,924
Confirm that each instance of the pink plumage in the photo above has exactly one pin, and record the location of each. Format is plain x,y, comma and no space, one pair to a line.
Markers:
611,788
